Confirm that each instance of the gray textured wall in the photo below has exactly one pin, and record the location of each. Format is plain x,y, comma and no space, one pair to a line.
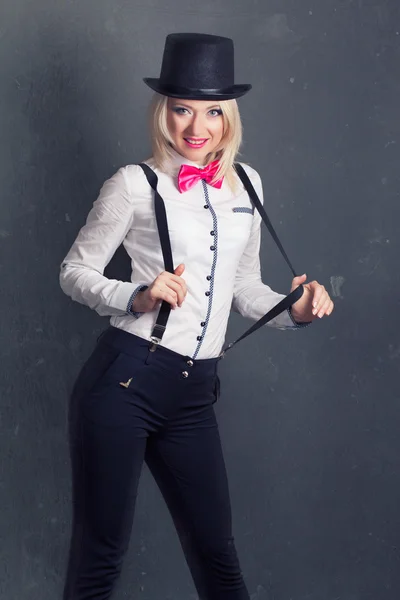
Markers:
309,419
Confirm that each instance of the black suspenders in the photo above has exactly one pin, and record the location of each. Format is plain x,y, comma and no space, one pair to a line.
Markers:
162,225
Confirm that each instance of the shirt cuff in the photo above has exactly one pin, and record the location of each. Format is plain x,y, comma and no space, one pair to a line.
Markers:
129,310
295,323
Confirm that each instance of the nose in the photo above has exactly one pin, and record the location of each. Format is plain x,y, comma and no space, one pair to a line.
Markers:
196,126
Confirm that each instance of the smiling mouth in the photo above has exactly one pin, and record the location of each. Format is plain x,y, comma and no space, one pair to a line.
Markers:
196,143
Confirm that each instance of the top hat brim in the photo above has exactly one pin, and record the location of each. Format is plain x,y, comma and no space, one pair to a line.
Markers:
234,91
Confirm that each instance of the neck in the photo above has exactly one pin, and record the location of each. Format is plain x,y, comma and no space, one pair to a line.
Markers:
199,163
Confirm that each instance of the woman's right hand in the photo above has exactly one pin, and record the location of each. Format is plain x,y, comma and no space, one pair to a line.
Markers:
167,286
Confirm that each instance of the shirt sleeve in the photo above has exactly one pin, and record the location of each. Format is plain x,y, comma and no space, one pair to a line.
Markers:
251,297
131,300
81,275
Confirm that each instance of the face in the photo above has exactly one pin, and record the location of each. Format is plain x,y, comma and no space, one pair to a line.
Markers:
196,127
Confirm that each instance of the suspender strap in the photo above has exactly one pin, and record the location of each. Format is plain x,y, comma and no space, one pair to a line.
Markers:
162,225
289,300
248,186
283,305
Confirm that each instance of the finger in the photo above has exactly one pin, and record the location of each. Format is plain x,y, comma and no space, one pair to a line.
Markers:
179,285
178,289
298,281
166,277
164,293
170,297
179,269
319,296
323,310
330,309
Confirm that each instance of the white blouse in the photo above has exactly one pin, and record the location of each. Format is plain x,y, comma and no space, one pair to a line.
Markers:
214,232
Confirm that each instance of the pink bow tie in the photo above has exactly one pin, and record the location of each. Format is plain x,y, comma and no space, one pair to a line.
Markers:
189,176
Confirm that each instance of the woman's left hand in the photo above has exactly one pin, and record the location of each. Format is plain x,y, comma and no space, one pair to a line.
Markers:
315,301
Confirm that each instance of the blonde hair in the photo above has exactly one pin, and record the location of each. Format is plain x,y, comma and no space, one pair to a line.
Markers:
225,152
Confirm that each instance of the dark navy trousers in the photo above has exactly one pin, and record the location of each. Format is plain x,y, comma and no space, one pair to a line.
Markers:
129,405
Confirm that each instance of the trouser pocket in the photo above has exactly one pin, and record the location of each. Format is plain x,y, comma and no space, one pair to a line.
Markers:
98,363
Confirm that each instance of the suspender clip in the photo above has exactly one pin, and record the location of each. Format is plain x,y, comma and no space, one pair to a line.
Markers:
154,343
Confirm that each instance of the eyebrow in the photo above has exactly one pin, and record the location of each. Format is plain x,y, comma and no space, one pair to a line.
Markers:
191,108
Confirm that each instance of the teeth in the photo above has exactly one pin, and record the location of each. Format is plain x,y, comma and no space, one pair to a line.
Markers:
195,142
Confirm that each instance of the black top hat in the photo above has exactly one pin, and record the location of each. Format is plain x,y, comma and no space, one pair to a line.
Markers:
197,66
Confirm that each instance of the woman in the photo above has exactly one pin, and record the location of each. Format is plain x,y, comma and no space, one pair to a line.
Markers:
139,397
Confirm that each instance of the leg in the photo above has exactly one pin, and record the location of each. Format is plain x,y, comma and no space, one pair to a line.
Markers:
107,440
188,465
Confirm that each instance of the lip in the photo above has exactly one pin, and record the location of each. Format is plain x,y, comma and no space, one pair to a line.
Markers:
204,141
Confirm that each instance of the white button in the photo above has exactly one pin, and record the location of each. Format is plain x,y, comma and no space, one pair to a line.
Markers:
190,363
185,374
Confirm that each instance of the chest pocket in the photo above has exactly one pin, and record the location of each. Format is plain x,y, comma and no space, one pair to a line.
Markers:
243,209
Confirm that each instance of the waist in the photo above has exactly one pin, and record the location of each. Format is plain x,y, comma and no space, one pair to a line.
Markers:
187,337
132,344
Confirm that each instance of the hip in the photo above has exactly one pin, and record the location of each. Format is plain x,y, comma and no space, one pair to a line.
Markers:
124,364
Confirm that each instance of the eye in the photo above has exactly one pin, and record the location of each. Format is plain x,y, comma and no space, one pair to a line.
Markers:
179,110
215,112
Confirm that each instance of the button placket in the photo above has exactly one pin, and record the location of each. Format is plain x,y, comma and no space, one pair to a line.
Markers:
209,278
